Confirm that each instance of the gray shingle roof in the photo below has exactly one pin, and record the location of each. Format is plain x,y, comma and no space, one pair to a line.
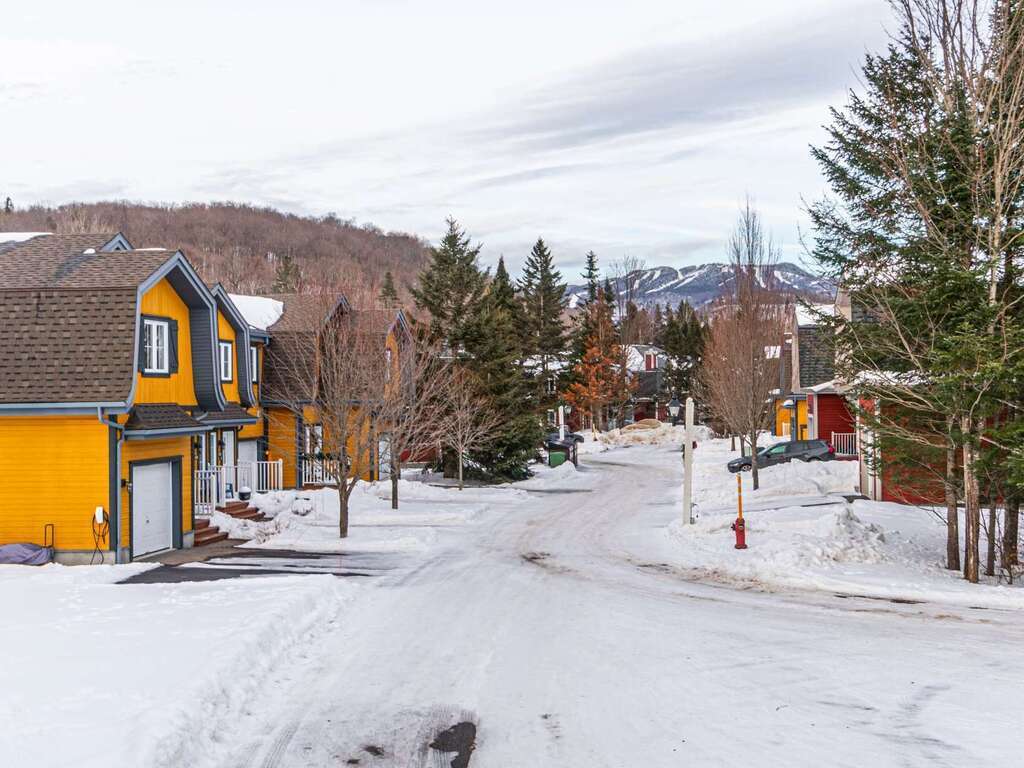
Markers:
816,360
160,416
59,346
61,261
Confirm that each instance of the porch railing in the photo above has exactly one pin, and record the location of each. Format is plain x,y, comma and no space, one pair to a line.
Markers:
845,443
217,485
317,471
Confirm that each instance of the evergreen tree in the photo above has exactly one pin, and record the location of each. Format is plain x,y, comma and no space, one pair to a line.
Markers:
8,205
592,276
287,275
683,342
388,293
495,357
544,302
450,289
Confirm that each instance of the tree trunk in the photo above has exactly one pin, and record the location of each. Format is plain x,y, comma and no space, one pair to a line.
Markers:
460,470
990,553
1011,535
343,494
394,486
732,442
952,511
753,460
972,504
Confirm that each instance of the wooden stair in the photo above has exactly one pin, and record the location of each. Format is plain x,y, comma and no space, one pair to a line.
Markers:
242,511
207,534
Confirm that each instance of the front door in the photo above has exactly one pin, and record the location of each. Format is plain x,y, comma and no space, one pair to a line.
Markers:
152,508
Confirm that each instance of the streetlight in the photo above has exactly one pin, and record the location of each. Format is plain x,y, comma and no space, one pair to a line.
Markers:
674,406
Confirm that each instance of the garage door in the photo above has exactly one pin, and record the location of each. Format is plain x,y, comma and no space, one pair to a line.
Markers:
152,500
247,450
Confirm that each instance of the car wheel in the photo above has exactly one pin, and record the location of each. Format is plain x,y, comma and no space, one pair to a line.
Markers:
745,468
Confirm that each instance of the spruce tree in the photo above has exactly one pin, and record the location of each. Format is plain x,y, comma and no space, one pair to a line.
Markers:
544,302
287,275
388,293
592,276
495,357
450,289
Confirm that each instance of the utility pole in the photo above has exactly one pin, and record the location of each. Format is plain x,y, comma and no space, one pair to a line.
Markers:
688,465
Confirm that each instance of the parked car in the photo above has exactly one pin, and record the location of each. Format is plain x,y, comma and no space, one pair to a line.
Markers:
782,453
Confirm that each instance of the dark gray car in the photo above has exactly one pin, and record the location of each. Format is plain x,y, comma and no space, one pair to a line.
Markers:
781,453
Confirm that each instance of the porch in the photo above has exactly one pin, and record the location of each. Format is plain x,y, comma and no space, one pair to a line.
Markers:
219,485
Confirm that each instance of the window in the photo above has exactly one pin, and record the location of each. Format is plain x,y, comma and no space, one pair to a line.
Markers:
551,385
551,417
387,364
225,361
156,358
254,364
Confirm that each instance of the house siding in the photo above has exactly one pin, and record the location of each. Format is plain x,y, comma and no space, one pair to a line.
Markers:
281,442
831,414
164,301
169,448
226,332
251,431
53,469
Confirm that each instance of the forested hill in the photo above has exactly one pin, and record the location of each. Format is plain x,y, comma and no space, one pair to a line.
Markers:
244,246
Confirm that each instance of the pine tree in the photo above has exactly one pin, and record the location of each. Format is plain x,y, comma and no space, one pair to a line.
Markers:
8,205
450,288
388,293
544,302
287,275
495,357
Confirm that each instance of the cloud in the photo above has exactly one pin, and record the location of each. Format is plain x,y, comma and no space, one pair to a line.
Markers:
533,174
682,86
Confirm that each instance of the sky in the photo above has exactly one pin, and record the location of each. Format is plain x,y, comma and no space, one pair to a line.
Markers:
630,128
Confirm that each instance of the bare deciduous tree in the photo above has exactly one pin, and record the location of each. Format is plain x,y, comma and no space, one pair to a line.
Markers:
469,418
331,366
740,369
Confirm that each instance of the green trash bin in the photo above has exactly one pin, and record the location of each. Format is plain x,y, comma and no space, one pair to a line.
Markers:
556,457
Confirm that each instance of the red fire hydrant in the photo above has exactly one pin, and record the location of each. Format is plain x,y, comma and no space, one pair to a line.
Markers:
739,526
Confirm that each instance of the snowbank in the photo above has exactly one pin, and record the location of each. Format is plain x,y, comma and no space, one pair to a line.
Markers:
100,674
802,533
308,520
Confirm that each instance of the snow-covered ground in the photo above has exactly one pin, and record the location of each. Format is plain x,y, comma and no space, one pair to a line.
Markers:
570,618
100,674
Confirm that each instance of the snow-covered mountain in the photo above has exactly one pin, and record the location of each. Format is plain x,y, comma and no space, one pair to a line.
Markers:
702,284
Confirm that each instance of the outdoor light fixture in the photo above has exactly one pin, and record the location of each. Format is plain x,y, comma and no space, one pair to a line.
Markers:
674,406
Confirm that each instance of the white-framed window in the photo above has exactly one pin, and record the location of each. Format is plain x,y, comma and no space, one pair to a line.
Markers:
156,335
551,385
551,417
225,361
387,364
254,362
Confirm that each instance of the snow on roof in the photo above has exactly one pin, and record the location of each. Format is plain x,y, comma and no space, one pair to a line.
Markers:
258,311
636,354
889,378
811,315
20,237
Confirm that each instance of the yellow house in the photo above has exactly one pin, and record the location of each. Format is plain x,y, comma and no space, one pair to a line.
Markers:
285,328
111,378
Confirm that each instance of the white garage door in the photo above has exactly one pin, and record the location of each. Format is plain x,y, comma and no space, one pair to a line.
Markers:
152,499
247,450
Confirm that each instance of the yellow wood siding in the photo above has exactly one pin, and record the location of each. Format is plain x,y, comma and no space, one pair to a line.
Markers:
782,416
281,442
255,430
225,332
140,450
164,301
53,469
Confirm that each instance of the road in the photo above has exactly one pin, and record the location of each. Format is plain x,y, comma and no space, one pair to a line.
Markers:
565,640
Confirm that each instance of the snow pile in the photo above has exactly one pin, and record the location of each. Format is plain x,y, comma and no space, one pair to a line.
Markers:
20,237
563,476
788,541
258,311
643,433
99,674
308,520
